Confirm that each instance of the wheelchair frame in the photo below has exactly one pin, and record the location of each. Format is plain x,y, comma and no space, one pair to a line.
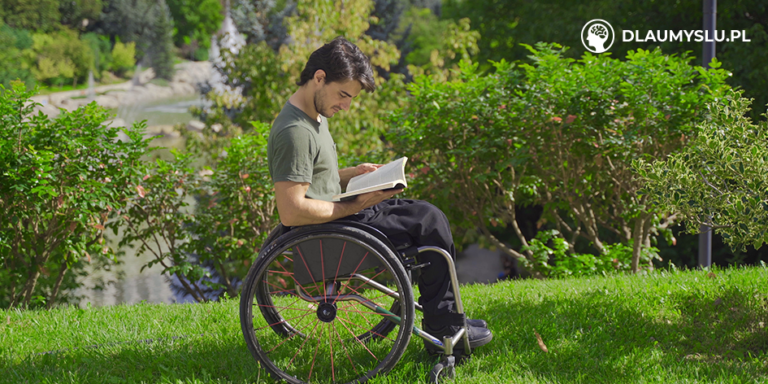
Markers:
331,290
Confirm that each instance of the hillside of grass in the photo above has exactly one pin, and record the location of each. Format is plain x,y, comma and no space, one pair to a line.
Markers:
667,327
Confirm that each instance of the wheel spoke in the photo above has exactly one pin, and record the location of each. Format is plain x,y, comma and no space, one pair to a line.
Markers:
363,328
355,336
304,342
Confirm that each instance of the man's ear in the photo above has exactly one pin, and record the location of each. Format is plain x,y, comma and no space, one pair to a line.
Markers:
319,76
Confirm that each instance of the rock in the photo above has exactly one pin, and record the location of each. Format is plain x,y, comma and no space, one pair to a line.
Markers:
195,125
182,88
108,102
48,109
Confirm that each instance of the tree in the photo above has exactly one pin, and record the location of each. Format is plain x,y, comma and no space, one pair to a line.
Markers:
13,66
195,21
161,51
73,12
60,56
149,24
35,15
720,178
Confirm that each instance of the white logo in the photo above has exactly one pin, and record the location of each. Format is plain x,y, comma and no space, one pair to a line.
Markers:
595,34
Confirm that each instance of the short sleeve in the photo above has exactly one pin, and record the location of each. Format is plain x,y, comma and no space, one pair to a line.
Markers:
292,155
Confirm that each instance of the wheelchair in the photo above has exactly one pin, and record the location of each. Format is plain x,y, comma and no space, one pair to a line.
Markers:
336,305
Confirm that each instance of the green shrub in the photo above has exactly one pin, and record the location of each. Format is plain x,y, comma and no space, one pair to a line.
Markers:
61,180
60,57
559,133
720,178
210,248
123,57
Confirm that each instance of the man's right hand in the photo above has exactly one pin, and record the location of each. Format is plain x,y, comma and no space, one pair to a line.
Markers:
370,199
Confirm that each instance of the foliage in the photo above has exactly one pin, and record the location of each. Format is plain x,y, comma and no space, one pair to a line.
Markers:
36,15
123,57
60,56
558,133
505,24
12,63
435,45
148,23
720,178
554,261
59,182
266,76
262,20
73,12
161,50
235,211
102,52
195,21
210,247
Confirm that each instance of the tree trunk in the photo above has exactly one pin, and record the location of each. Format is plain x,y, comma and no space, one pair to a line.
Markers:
63,270
30,286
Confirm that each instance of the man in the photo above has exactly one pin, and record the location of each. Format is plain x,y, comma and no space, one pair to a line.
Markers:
304,168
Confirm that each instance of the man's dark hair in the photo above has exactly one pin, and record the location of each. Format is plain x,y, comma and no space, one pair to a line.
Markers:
341,60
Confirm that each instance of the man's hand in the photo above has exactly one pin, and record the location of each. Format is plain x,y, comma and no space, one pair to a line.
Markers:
372,198
366,167
348,173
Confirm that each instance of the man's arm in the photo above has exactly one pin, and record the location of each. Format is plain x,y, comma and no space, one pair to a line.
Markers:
296,209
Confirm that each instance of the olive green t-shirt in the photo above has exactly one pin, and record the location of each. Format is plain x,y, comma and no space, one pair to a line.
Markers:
302,150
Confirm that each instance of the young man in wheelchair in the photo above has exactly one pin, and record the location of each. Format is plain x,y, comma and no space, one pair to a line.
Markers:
304,168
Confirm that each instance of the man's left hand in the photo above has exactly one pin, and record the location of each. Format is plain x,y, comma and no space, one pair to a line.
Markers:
366,167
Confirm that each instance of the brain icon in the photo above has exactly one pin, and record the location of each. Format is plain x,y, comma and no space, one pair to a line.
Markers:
599,30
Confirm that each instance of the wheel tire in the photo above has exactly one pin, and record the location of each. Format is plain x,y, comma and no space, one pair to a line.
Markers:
289,336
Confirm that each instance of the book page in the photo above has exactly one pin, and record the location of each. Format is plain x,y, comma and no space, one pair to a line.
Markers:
393,171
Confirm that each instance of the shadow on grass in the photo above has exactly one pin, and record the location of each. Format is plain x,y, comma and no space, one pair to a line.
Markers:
183,359
600,337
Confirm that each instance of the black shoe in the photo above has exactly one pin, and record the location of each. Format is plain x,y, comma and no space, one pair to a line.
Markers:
477,323
478,336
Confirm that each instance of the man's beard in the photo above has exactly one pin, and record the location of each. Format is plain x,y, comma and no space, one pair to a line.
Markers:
319,105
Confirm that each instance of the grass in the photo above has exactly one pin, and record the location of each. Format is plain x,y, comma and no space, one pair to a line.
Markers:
667,327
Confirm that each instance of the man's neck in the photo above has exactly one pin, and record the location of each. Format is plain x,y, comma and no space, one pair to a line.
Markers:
302,99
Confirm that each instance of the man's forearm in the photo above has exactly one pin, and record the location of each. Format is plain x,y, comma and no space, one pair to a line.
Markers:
346,174
310,211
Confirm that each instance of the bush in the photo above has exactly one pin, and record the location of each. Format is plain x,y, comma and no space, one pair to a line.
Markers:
60,182
123,57
60,57
720,177
208,249
559,133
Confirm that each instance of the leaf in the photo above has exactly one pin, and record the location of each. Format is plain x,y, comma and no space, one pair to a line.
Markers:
541,342
141,191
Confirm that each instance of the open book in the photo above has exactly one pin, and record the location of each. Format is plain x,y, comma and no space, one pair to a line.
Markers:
388,176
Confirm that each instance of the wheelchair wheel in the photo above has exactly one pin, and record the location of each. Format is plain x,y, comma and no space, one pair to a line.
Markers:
336,306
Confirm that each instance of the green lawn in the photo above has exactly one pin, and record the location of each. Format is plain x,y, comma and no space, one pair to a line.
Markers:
669,327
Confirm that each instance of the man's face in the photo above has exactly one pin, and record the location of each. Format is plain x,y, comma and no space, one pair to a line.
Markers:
333,97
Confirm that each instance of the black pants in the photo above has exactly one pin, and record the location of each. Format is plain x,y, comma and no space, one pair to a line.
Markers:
420,223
